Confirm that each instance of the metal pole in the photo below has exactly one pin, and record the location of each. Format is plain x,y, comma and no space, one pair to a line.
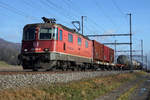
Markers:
130,39
142,51
115,52
146,62
82,19
116,43
108,35
82,23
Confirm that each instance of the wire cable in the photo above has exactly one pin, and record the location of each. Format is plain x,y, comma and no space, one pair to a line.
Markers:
16,11
118,8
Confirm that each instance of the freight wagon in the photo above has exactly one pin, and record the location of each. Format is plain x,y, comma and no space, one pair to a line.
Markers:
103,56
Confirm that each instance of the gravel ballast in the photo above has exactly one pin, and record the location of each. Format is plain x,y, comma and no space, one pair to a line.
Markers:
27,80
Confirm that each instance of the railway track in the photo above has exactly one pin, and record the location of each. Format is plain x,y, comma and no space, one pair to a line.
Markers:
37,72
19,70
8,72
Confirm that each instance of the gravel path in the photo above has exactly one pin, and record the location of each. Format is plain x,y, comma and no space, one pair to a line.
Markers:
143,91
140,93
26,80
113,95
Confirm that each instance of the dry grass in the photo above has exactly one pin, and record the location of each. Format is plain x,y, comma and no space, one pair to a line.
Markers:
28,94
87,89
144,73
126,95
4,64
6,67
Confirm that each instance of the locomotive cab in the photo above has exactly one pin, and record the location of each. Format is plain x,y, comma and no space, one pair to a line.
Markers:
38,39
37,44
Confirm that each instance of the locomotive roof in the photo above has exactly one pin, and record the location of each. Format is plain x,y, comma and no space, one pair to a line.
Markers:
54,24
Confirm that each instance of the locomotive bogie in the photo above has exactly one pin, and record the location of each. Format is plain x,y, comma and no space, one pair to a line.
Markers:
51,59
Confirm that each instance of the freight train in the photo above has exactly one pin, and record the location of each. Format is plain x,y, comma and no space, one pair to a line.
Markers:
52,46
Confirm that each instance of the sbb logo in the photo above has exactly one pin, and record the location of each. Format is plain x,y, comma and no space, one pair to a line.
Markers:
35,44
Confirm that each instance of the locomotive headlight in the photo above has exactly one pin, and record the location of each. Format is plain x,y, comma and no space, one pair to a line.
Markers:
25,50
46,49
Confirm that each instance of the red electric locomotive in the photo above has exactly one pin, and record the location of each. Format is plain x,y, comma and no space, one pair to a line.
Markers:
54,46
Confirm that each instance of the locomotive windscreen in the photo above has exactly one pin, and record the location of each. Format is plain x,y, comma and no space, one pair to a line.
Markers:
29,34
47,33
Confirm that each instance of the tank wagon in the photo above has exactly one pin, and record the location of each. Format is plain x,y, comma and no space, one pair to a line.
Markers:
125,61
54,46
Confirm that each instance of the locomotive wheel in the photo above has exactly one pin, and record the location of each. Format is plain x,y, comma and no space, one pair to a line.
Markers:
54,69
64,69
63,66
112,68
74,69
35,69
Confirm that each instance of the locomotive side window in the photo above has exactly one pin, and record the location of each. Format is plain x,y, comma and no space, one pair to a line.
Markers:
60,38
70,37
79,41
57,34
29,34
46,33
86,43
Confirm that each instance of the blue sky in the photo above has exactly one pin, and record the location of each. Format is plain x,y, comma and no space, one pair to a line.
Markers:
102,17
